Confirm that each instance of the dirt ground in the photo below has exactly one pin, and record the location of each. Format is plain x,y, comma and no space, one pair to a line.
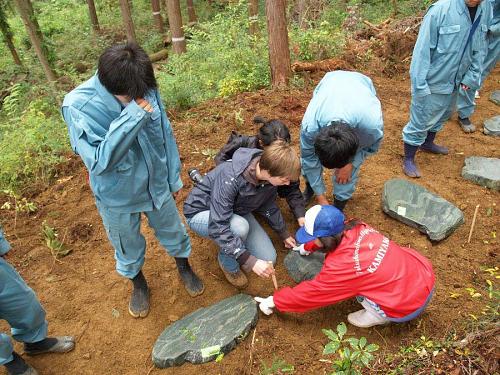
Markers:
84,296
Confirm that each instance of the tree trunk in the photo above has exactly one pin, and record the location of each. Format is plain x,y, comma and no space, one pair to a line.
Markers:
302,6
93,16
7,36
191,12
155,5
127,20
30,22
175,22
253,16
279,51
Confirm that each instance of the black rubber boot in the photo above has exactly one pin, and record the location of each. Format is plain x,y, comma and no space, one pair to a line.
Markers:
19,367
340,204
139,301
194,286
308,193
60,344
409,166
430,146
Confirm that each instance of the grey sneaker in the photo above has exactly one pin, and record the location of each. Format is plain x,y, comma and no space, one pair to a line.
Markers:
466,125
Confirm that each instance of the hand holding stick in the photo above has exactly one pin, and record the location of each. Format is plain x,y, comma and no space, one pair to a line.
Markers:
273,276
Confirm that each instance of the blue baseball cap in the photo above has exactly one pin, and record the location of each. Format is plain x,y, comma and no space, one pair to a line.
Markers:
321,221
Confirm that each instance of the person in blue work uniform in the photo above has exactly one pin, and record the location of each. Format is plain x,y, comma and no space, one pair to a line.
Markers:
465,101
341,127
448,55
26,317
118,126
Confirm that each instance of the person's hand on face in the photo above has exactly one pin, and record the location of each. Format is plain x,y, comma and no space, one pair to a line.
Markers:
344,174
144,104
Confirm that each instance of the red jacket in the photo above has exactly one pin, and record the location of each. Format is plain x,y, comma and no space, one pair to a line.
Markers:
367,264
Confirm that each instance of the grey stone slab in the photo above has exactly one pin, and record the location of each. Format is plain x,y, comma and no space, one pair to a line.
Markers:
205,333
495,97
482,171
302,267
416,206
492,126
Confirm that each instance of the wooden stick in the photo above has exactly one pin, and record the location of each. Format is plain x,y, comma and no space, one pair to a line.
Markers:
273,276
473,223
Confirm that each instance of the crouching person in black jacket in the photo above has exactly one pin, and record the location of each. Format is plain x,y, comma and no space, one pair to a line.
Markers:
222,205
269,132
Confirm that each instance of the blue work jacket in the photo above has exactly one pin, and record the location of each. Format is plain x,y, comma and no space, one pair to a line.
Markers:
351,98
442,58
4,244
131,154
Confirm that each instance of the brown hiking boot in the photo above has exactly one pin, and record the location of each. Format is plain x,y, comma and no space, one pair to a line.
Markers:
238,279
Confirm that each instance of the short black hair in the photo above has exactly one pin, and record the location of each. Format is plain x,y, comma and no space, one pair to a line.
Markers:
271,130
125,69
331,243
336,145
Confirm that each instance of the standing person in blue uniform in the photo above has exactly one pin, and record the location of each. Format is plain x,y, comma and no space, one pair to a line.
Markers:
342,126
118,126
465,102
26,317
448,55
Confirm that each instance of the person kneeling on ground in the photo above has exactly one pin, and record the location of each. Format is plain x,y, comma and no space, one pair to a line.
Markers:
269,132
22,310
392,283
222,205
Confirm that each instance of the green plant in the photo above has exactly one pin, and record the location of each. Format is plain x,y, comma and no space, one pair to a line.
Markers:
16,203
56,247
278,366
355,354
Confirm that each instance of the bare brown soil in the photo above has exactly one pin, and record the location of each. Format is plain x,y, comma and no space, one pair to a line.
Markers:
84,296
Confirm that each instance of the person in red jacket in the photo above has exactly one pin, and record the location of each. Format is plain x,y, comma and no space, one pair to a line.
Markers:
392,283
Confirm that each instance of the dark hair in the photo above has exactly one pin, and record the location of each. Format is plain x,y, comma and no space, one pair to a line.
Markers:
125,69
330,243
336,145
271,130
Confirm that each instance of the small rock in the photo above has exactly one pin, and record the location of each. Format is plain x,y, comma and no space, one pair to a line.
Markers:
482,171
302,267
115,313
495,97
86,356
492,126
206,333
173,318
416,206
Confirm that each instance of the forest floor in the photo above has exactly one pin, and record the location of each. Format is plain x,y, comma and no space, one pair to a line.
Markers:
85,297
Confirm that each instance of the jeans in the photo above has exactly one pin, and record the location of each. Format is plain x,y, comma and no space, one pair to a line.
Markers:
124,232
256,240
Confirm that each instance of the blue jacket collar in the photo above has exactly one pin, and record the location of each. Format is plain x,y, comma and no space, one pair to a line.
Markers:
461,6
109,100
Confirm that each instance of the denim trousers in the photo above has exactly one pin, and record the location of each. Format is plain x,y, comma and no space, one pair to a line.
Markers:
255,238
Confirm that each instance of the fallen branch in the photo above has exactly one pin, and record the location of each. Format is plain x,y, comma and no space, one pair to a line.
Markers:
322,65
160,55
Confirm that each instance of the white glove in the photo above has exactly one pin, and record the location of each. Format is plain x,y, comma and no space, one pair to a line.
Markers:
266,305
301,250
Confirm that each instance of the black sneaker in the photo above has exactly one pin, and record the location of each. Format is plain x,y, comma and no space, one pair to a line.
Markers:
466,125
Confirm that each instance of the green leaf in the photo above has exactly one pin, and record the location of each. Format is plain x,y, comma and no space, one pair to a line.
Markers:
353,341
341,329
347,353
365,360
372,348
330,334
362,342
355,355
331,347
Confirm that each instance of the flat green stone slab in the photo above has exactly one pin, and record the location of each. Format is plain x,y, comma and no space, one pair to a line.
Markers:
205,333
482,171
495,97
492,126
416,206
301,267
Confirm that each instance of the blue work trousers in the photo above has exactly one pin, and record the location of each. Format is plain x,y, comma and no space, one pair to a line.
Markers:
345,191
124,232
21,309
428,114
256,240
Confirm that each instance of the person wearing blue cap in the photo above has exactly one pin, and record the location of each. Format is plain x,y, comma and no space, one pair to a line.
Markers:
26,316
392,283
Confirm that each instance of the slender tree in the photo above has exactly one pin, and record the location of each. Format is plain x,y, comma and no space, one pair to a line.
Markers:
127,20
93,16
279,51
175,22
155,5
33,29
191,12
8,36
253,16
